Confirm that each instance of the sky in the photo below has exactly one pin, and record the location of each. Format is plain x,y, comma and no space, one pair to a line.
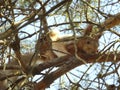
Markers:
103,42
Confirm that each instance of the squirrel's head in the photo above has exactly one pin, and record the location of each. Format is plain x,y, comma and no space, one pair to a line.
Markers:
89,42
87,45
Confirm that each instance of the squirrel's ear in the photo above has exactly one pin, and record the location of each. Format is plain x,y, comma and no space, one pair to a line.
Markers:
88,30
98,33
97,36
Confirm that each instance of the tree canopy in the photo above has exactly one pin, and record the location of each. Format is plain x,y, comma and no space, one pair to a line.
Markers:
84,55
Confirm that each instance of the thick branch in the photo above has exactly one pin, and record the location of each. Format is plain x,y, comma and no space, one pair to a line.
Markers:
70,62
111,21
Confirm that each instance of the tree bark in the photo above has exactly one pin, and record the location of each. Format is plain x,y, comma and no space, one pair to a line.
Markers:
70,62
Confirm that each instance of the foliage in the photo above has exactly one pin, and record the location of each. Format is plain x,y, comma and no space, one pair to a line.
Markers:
24,38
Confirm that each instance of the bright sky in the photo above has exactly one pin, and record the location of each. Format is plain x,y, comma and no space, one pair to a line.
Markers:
103,42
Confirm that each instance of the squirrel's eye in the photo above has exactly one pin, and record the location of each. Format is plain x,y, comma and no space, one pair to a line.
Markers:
88,42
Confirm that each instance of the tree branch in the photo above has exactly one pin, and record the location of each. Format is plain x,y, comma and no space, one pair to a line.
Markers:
111,21
70,62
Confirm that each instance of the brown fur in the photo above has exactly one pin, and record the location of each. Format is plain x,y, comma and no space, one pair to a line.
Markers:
85,45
